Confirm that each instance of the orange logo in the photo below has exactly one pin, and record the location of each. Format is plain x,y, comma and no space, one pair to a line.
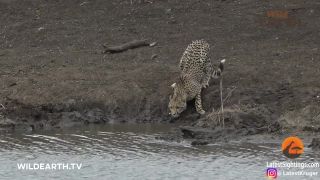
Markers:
292,147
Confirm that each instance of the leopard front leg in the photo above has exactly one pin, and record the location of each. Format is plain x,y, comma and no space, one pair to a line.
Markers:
207,75
198,104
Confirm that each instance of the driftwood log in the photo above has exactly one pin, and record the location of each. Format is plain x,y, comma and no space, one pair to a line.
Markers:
129,45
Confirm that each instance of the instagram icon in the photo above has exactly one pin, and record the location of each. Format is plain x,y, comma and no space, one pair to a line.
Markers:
272,173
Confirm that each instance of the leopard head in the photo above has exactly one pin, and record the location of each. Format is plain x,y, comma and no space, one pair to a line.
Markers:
178,101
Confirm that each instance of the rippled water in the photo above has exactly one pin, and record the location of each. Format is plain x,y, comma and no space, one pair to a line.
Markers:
132,152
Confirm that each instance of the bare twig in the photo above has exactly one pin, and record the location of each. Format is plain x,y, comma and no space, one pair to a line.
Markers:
221,99
221,93
2,106
83,3
229,95
129,45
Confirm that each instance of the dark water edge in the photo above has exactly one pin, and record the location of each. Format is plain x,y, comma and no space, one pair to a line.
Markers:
134,151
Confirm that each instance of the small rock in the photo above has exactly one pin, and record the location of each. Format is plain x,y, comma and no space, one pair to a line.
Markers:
95,116
69,104
40,28
75,115
199,143
196,132
71,101
7,123
172,21
83,3
154,56
315,144
12,84
153,44
2,107
168,11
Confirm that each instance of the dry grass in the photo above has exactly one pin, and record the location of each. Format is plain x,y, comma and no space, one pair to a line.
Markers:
217,117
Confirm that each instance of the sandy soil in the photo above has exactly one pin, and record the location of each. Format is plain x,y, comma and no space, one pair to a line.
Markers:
53,74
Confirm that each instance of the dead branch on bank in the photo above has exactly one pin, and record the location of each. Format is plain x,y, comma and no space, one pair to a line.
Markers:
129,45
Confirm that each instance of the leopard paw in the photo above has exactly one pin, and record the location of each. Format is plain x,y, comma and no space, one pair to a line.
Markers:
202,112
205,85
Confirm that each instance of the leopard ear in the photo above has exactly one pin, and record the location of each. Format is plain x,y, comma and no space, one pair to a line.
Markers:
173,85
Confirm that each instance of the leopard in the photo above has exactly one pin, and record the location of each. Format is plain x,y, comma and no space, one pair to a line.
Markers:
196,70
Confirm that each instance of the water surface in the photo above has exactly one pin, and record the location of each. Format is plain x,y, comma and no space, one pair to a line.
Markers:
127,151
